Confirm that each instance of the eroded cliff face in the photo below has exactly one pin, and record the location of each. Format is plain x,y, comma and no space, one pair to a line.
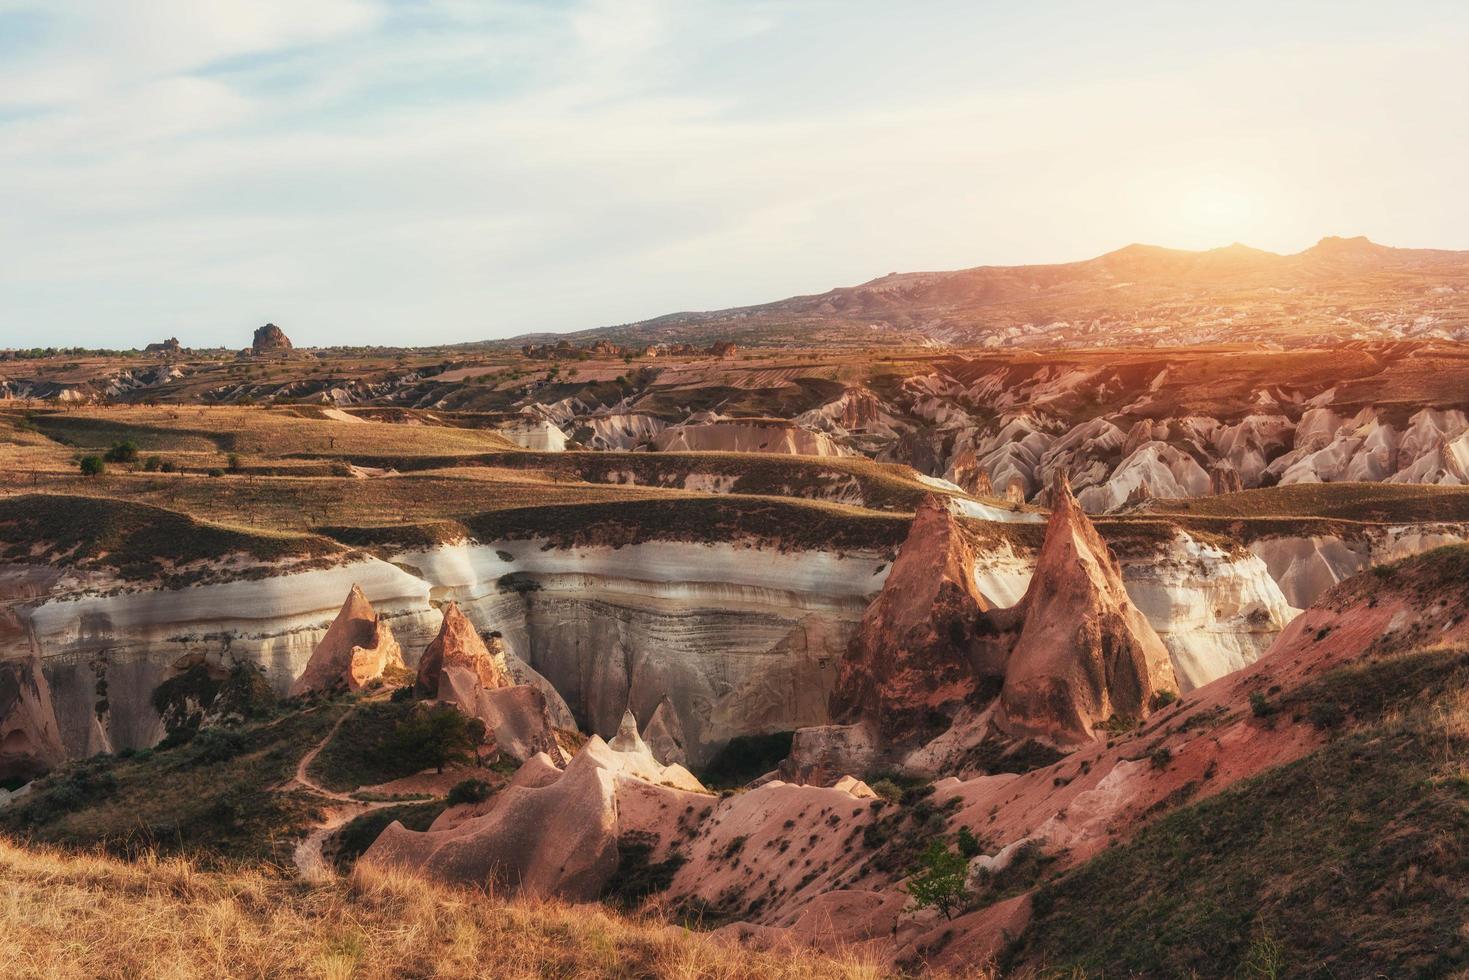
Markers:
30,739
1306,566
739,638
107,644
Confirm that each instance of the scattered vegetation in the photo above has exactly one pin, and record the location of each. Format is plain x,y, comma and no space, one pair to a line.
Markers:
216,798
1344,863
383,740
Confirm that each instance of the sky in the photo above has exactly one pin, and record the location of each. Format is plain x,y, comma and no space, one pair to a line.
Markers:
407,172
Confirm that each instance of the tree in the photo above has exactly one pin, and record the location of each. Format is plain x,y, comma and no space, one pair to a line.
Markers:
93,466
437,736
941,879
123,452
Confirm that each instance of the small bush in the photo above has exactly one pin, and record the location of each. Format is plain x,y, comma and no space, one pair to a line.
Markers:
968,844
153,464
92,466
470,791
1261,706
888,790
123,452
1162,699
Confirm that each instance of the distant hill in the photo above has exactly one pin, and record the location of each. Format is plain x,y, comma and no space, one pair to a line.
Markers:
1340,289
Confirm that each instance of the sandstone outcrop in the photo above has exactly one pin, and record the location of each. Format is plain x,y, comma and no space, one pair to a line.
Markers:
356,649
663,735
1083,652
30,741
550,833
914,654
270,338
459,645
517,718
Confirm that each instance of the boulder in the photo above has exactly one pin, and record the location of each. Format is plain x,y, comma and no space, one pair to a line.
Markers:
356,649
30,739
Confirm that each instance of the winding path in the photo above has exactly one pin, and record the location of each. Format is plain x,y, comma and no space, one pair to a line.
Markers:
308,857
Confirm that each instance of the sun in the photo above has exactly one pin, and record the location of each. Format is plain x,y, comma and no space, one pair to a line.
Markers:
1218,211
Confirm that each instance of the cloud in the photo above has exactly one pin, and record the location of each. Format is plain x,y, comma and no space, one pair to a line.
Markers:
446,170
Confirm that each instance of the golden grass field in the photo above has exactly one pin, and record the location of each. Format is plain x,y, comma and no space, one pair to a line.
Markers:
85,916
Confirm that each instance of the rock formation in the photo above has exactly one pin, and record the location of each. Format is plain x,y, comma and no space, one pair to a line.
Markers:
1224,478
30,741
270,338
459,645
663,735
357,648
550,833
1083,653
518,719
913,656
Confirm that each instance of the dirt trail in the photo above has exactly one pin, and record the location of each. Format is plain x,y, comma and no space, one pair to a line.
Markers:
308,857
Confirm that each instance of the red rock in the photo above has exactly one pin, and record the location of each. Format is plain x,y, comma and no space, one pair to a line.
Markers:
357,648
1083,652
912,656
459,645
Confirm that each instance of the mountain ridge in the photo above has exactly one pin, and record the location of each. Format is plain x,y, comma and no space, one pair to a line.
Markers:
1358,289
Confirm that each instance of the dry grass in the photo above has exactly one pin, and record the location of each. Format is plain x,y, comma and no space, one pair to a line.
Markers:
86,916
278,432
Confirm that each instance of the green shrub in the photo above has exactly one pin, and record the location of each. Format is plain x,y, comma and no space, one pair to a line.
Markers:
438,736
940,880
123,452
968,844
470,791
1261,706
92,466
1162,699
888,790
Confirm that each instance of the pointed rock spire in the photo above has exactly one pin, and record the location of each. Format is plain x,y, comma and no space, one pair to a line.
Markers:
664,736
911,655
1084,652
627,738
458,644
357,648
